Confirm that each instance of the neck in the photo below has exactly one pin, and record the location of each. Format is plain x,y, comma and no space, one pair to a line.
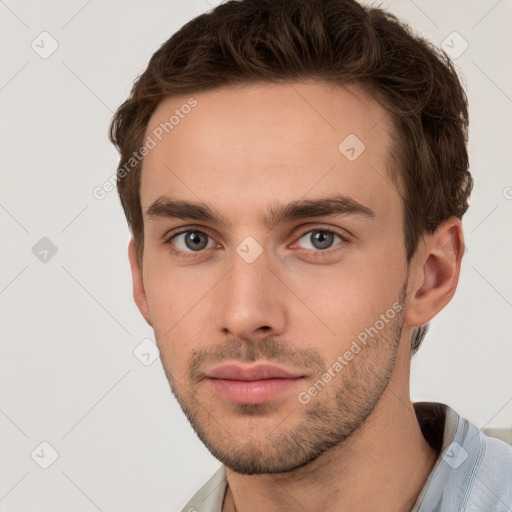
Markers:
383,466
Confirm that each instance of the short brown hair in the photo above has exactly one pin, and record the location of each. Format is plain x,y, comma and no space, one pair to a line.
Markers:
335,41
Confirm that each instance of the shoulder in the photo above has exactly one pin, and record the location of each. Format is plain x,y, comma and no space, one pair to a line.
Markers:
210,496
473,472
491,480
480,472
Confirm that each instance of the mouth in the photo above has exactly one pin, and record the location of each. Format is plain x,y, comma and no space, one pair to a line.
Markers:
253,384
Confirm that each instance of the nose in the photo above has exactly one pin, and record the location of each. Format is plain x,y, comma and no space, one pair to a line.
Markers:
251,300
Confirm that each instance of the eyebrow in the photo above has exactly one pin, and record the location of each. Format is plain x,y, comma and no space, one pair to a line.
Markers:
337,204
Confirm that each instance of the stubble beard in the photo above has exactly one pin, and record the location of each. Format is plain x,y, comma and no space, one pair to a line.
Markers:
325,422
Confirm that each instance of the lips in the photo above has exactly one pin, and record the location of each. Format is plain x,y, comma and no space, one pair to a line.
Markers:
253,384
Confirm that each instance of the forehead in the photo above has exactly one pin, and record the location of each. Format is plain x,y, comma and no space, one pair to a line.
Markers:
248,146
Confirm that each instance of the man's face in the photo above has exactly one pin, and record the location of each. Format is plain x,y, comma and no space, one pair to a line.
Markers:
252,313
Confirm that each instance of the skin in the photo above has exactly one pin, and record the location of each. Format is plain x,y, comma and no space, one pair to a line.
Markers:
357,444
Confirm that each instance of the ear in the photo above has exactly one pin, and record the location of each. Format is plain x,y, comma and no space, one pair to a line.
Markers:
139,294
435,270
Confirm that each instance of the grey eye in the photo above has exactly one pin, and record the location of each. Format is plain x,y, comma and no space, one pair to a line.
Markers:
191,241
319,239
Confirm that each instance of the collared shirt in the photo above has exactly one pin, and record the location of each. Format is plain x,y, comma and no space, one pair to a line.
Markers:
472,473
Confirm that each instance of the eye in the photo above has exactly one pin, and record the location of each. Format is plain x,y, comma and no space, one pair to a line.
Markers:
320,239
190,241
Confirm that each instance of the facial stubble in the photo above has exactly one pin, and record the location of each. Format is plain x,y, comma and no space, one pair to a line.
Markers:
328,419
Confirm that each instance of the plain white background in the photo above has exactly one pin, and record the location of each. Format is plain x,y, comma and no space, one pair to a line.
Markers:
68,373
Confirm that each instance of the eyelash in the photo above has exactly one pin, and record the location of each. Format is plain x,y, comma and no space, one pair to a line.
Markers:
313,253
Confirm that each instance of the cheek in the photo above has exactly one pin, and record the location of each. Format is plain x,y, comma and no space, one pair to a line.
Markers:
171,291
170,303
323,302
341,300
178,300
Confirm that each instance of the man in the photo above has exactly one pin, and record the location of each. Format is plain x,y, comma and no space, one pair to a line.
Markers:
294,174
